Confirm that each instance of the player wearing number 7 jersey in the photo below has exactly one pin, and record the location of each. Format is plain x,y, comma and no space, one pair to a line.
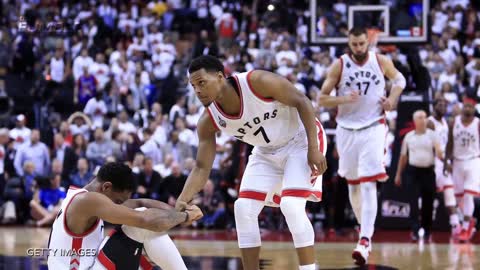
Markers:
361,130
264,110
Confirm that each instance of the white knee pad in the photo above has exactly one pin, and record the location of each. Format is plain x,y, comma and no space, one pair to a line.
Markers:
246,219
293,208
449,197
468,205
355,197
369,209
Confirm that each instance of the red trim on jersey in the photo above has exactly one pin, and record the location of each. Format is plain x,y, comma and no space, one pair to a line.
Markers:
378,61
277,199
250,194
73,187
366,179
69,232
105,261
254,92
234,117
112,232
213,120
302,193
145,264
358,63
472,192
341,71
459,194
76,246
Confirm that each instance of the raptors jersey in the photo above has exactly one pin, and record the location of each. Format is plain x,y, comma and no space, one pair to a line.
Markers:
261,121
466,144
67,249
441,130
368,80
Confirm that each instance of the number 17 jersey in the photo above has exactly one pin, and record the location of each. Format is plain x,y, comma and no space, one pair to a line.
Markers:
368,79
261,121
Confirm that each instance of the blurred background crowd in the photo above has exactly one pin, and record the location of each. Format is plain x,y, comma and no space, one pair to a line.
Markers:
87,82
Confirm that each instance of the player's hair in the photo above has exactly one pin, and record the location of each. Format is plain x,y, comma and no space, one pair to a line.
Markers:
207,62
358,31
119,174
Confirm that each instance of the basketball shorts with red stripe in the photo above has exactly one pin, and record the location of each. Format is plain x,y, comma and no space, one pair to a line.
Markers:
283,171
362,153
466,176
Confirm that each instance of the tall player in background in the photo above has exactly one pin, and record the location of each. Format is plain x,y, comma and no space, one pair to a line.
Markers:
444,181
264,110
463,153
361,131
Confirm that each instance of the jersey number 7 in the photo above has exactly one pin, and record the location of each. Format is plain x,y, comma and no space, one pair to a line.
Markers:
264,134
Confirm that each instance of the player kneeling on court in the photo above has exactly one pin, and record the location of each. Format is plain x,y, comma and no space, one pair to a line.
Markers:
79,226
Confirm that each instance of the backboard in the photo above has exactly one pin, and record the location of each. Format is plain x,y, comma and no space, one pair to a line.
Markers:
395,21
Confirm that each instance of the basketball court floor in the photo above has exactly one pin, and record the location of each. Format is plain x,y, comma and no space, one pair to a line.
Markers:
208,250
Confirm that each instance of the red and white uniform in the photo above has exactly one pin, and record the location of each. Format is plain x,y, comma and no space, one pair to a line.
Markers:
278,165
64,242
466,157
441,131
361,130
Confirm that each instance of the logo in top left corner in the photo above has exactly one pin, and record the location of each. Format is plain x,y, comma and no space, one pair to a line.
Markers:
222,122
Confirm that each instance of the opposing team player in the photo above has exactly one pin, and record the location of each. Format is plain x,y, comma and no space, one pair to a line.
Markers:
77,237
361,130
264,110
444,180
463,153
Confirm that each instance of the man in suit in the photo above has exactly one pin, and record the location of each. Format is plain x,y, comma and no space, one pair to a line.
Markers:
149,181
65,154
179,150
173,184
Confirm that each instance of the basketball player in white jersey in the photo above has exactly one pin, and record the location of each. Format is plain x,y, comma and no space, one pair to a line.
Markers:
361,131
444,180
77,238
265,110
463,153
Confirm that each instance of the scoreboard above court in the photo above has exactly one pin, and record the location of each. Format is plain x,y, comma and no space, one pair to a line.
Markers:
394,21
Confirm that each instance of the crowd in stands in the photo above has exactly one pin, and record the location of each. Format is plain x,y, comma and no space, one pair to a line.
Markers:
109,83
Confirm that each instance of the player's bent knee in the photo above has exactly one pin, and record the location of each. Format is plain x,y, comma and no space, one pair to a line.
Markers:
246,219
293,208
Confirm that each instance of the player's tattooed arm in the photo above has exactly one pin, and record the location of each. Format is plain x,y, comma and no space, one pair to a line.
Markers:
205,156
93,204
333,78
148,203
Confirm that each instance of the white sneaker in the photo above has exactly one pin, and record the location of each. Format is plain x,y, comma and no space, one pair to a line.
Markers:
361,252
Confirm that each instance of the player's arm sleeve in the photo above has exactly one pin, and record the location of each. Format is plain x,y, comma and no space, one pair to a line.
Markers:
205,157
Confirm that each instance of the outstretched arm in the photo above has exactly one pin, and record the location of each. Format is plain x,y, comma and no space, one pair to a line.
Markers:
148,203
205,156
272,85
93,204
